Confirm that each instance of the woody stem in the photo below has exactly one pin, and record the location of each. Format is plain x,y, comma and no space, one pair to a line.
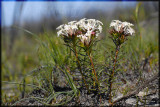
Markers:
94,72
112,75
79,66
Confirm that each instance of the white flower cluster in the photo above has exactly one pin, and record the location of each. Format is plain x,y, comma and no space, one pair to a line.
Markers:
83,29
124,26
92,27
67,29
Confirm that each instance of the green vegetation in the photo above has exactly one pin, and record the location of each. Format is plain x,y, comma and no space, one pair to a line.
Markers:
40,61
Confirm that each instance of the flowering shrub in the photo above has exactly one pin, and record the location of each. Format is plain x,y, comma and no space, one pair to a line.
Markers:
83,34
119,32
84,31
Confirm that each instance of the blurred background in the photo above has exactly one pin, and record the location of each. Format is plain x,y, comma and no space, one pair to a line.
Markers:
19,49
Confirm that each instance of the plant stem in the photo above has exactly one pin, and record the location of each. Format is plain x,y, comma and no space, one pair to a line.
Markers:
112,75
94,72
79,66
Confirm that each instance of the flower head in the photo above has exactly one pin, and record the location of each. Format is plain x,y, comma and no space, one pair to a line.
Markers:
122,27
67,29
90,28
120,31
84,29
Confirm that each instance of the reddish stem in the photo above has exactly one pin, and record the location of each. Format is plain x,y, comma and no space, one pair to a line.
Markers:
112,74
79,66
94,72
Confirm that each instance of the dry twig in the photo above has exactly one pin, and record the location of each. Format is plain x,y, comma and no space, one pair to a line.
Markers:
137,90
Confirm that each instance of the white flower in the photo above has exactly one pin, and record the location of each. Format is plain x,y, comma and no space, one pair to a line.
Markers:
127,28
124,26
86,27
85,39
115,23
100,29
127,24
82,20
88,35
61,32
67,29
99,22
90,24
72,22
60,27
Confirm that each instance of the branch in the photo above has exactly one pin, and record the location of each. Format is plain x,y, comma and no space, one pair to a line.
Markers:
137,90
